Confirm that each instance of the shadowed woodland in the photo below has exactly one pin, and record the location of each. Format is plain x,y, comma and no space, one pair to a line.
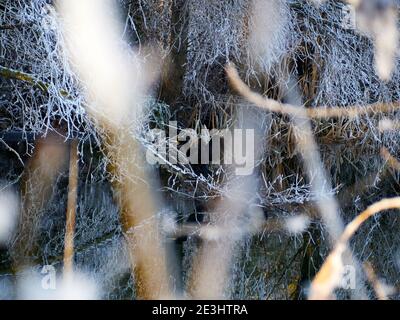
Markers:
83,83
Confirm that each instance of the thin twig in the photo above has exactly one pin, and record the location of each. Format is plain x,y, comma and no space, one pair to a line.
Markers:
380,289
25,77
329,276
13,151
15,26
391,161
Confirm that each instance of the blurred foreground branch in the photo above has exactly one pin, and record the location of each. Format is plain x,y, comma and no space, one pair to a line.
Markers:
329,276
315,113
115,80
320,182
138,207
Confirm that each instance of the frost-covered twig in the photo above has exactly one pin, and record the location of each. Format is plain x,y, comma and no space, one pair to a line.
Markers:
33,53
22,76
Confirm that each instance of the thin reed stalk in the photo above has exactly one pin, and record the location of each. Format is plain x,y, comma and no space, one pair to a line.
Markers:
71,208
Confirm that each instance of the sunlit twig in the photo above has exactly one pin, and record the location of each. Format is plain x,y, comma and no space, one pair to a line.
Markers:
315,113
329,276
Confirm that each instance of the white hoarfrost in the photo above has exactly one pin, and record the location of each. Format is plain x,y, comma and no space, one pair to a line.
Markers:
379,21
47,286
110,70
297,224
268,25
35,46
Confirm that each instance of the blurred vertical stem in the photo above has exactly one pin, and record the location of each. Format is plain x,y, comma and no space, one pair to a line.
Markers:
211,274
37,185
115,87
138,208
71,208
